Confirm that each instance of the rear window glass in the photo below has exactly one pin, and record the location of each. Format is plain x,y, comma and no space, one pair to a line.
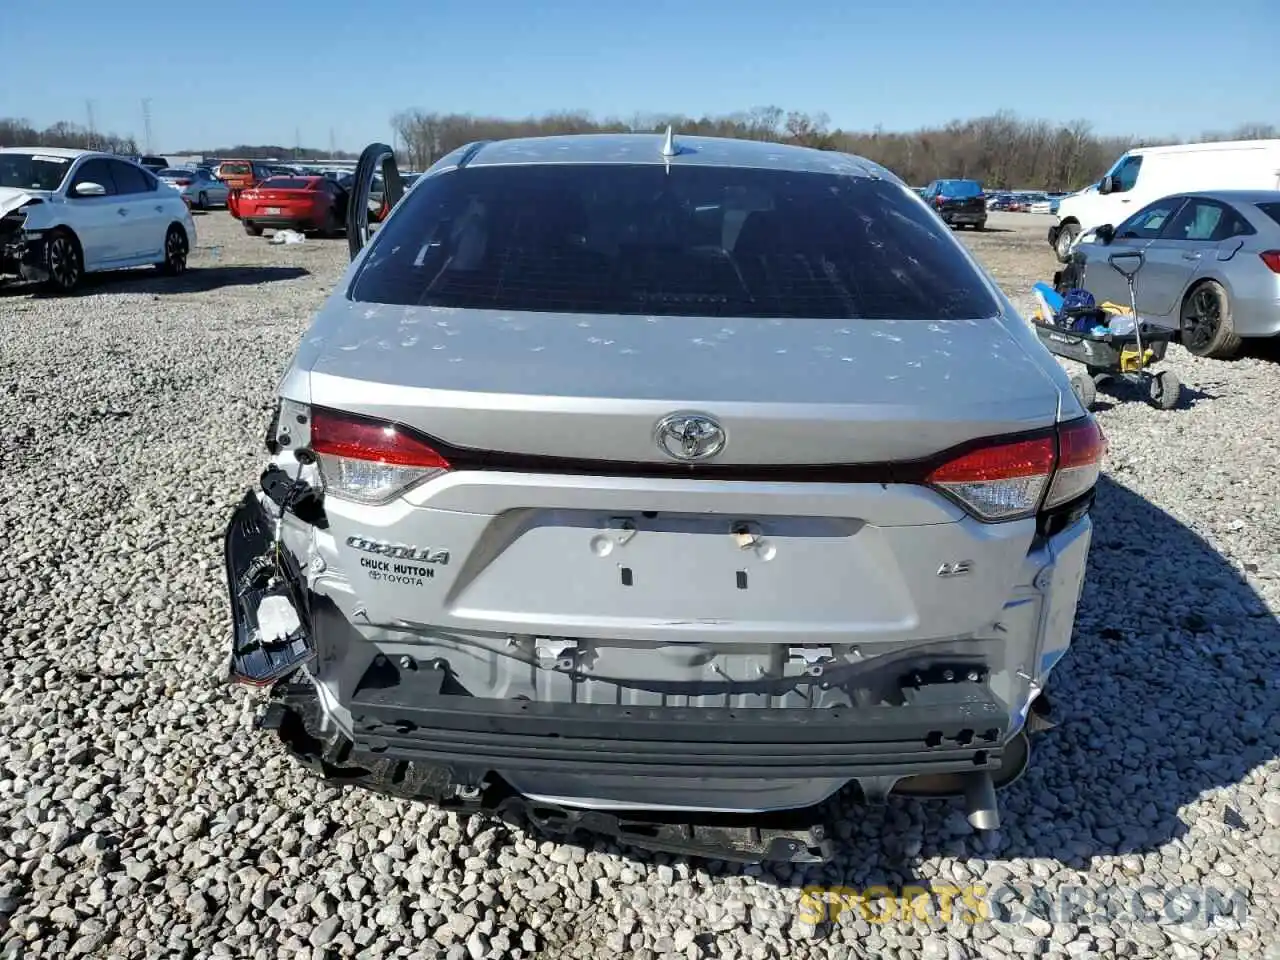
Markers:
235,169
287,183
697,241
960,188
1272,210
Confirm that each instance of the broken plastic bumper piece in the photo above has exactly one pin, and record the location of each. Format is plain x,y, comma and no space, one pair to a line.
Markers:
270,633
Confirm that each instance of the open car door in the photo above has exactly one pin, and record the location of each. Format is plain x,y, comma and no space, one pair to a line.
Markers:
363,212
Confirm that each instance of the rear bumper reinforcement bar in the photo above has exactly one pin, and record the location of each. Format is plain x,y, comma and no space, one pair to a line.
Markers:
795,836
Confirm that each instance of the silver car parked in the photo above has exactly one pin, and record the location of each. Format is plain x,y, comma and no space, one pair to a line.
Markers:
198,187
1212,266
627,478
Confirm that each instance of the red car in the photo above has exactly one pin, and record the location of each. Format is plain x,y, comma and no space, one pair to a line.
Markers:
308,204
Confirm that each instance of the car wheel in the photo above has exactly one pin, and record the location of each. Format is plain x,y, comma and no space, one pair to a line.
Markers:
252,229
176,249
202,201
1207,328
980,225
1066,237
63,261
331,227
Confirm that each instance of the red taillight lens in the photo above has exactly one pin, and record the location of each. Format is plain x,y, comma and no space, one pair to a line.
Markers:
1001,482
369,460
1081,447
183,183
1009,481
1272,259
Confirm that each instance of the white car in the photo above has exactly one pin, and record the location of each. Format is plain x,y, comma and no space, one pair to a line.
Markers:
65,213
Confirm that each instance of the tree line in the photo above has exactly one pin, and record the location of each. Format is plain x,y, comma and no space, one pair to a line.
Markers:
21,133
1002,150
16,132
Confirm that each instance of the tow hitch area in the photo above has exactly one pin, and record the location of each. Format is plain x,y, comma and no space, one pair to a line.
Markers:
794,837
270,635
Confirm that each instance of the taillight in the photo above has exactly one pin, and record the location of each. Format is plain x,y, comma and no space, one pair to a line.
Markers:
1272,259
368,460
1000,482
1081,447
1014,479
937,201
183,183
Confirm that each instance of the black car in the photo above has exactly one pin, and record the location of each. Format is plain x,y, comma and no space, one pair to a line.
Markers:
959,203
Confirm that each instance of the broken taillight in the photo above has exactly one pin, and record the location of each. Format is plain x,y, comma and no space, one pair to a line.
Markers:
1013,479
369,460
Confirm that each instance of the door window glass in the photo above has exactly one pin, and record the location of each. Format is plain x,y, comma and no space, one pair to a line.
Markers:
1147,223
94,171
130,179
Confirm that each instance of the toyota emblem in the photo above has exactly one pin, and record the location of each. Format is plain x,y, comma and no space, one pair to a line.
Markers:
689,436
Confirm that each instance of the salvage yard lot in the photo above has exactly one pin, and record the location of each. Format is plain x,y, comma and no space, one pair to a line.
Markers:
142,816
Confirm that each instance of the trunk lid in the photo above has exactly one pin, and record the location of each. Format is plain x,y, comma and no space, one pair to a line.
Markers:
592,387
632,557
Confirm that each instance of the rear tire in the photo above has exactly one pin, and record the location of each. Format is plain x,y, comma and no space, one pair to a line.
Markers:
63,261
176,249
1206,324
252,229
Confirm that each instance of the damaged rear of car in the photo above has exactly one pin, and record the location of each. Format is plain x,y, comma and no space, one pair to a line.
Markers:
656,489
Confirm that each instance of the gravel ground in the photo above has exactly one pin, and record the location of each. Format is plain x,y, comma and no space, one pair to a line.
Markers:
141,816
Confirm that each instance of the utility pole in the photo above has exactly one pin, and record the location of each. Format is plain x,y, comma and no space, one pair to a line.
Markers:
146,123
88,108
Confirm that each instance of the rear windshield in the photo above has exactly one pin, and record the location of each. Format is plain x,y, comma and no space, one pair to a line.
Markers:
697,241
960,188
176,173
287,183
1272,210
235,169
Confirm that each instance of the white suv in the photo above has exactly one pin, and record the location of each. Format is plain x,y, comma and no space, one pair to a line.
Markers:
65,213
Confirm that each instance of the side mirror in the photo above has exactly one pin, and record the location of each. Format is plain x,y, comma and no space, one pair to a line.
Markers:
1106,233
1107,184
90,189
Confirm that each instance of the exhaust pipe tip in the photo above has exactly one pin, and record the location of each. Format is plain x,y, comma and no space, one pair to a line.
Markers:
980,804
1040,715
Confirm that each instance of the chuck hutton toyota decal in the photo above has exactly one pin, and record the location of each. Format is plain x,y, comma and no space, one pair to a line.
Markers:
398,562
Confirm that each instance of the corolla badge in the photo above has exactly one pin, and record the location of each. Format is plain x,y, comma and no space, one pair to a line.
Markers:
689,436
399,551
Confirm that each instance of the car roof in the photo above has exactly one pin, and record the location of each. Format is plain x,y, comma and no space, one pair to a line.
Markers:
690,151
1237,196
66,152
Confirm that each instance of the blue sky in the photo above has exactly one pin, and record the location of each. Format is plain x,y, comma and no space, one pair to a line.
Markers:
238,71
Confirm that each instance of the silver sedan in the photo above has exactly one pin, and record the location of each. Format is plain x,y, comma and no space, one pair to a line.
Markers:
198,187
1211,266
